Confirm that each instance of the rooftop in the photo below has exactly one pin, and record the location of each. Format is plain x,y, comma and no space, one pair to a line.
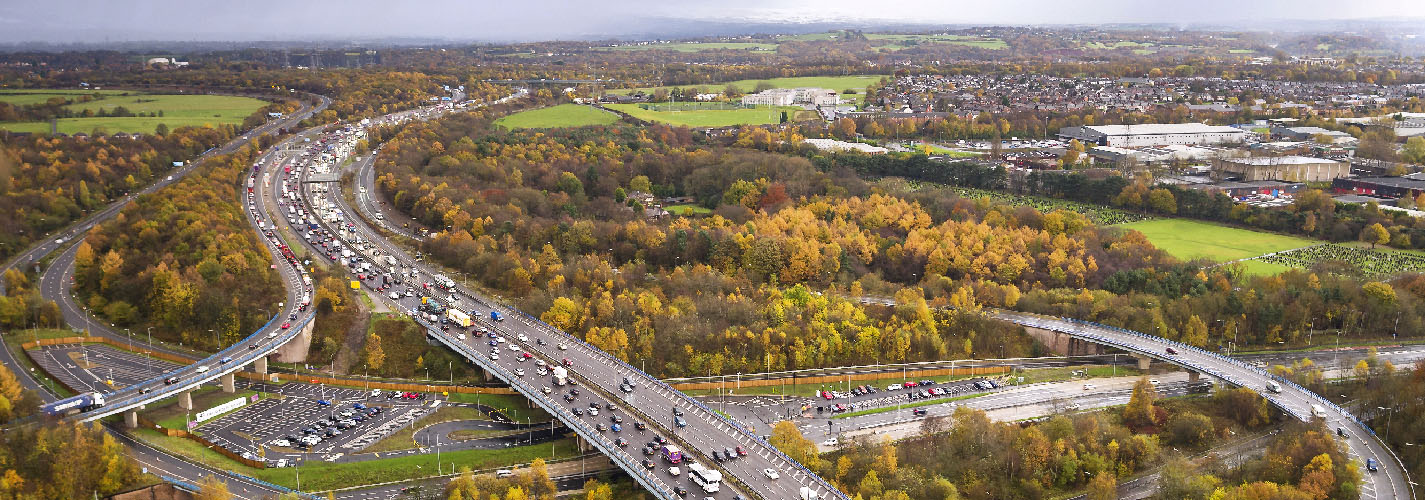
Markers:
1280,160
1163,128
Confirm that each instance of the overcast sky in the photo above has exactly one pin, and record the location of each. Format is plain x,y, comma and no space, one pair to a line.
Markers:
63,21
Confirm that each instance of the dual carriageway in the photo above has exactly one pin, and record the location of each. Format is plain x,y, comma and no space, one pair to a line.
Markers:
651,402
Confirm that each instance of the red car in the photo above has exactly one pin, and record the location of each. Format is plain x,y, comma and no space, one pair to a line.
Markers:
526,355
286,326
567,362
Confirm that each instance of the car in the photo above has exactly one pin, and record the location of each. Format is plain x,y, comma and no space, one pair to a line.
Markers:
282,443
616,428
546,389
771,473
562,346
741,452
649,451
727,452
677,412
717,456
831,442
170,380
660,440
1171,351
493,343
519,372
202,369
575,392
616,419
678,421
640,426
494,356
601,427
251,347
593,412
523,338
919,412
540,342
1371,465
1089,387
1341,432
1153,381
648,464
286,325
567,363
675,471
681,491
570,398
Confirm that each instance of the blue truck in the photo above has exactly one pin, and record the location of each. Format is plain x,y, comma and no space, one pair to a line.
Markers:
496,316
80,403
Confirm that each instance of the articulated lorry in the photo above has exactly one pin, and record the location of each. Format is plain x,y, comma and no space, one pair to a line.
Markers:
458,318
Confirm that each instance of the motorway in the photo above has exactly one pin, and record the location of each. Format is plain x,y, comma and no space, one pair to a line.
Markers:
651,403
153,460
1388,483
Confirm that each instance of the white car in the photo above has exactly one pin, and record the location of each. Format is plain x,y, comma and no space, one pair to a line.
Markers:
547,390
830,442
1153,381
593,412
519,372
460,336
514,347
563,346
203,369
771,474
494,356
282,443
500,340
675,471
1089,387
523,338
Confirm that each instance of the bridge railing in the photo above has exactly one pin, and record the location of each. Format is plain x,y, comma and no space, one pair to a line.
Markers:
606,445
787,461
1312,395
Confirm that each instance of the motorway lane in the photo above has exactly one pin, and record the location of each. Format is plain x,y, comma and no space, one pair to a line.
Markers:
706,431
43,247
1388,483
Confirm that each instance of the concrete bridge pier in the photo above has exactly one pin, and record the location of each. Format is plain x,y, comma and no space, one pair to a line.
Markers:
1143,361
131,419
185,400
259,365
228,383
1194,376
583,445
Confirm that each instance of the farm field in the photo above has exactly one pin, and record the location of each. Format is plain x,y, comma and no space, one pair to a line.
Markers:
24,97
563,115
710,117
1101,215
837,83
1186,239
698,47
178,111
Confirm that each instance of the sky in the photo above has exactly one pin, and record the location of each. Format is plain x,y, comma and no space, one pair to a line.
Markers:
71,21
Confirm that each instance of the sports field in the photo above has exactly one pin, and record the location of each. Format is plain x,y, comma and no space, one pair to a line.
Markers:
563,115
178,111
712,117
837,83
1186,239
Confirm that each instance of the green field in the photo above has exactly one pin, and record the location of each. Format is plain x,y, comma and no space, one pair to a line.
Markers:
837,83
698,47
178,111
680,209
25,97
563,115
711,117
1186,239
972,41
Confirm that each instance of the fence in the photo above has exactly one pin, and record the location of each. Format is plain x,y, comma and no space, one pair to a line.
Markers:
148,424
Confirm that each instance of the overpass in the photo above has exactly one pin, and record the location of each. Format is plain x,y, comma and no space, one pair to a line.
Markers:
652,402
222,366
1391,482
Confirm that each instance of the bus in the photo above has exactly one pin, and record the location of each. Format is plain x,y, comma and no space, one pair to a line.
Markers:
707,479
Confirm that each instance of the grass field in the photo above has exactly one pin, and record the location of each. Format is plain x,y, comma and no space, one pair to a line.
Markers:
563,115
25,97
680,209
972,41
837,83
711,117
178,111
1187,239
698,47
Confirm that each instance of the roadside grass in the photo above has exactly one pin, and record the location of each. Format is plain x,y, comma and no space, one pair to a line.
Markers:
563,115
512,405
1187,239
703,118
686,208
1060,374
31,334
924,402
324,476
190,450
405,438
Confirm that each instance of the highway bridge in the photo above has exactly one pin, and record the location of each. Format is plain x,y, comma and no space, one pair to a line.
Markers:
652,402
1391,482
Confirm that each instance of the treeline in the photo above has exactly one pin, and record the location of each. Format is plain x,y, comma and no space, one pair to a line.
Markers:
968,456
48,182
556,218
183,260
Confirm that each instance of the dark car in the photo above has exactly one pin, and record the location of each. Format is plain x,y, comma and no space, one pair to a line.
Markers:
677,412
919,412
621,442
648,464
1172,351
616,419
681,491
640,426
717,455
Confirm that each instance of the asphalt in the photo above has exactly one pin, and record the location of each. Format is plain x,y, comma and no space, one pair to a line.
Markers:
151,459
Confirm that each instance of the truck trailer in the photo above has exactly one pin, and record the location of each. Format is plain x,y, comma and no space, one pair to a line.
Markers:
80,403
458,317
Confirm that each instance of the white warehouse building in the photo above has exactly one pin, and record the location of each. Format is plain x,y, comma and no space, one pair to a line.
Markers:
1153,134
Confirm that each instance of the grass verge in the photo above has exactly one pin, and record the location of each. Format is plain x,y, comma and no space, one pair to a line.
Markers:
925,402
325,476
404,439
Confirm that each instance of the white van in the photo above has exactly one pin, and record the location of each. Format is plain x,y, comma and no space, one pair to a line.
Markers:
503,473
1318,411
202,369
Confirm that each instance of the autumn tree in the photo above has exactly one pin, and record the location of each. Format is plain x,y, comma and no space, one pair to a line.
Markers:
1140,411
211,488
1103,486
1375,234
375,356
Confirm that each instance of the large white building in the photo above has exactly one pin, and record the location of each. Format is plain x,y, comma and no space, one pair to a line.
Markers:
1153,134
788,97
